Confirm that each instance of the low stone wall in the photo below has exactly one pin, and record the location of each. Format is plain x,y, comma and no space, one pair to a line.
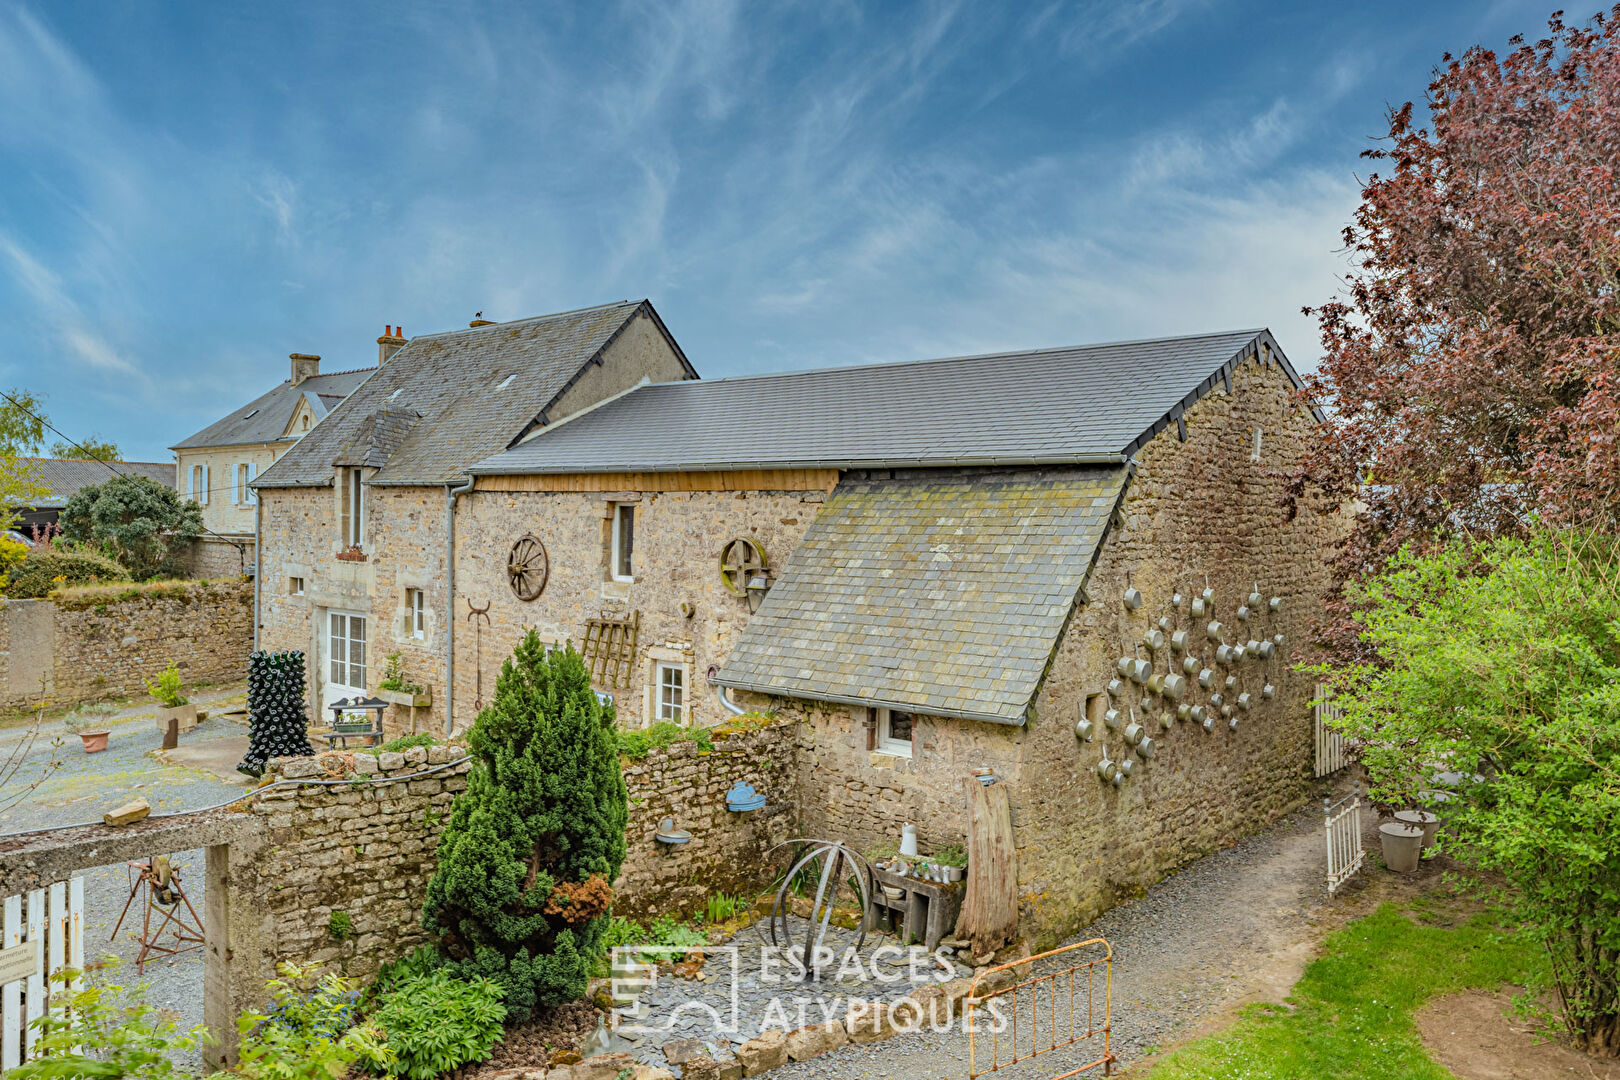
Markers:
728,851
90,648
214,557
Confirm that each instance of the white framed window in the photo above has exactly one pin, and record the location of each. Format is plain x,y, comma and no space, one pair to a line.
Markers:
295,586
894,731
624,542
669,693
346,650
353,516
416,613
245,472
199,485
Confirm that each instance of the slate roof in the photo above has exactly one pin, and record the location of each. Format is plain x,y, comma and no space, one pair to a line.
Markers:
457,383
1088,403
66,476
940,593
264,419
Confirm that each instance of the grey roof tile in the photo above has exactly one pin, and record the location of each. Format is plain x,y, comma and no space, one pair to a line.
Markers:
264,419
65,477
827,632
1080,404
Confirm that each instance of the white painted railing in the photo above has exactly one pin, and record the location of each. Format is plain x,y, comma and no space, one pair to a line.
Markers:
1343,825
31,951
1330,755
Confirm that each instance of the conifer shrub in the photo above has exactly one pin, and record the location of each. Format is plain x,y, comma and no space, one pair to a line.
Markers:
522,886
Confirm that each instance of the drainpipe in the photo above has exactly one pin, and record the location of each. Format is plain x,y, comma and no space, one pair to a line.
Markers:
720,692
258,566
451,494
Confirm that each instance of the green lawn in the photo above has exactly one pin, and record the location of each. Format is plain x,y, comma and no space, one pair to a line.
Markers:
1352,1010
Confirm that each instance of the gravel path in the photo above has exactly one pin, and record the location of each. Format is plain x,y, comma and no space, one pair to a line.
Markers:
85,786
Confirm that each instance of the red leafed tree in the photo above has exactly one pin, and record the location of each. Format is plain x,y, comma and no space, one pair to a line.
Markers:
1473,369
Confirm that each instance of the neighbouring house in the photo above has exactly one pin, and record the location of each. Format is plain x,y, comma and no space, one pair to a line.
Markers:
66,477
937,568
356,516
216,466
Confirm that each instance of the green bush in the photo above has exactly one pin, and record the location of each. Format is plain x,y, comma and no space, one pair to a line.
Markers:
638,743
138,521
1499,662
105,1031
407,742
436,1023
308,1034
521,889
419,963
166,688
45,569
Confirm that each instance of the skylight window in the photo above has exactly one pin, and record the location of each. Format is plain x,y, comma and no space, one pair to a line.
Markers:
507,381
395,394
250,413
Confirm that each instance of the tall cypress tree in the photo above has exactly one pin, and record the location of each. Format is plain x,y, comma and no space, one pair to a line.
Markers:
532,845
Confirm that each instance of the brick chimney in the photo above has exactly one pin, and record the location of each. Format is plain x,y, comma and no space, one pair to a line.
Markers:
391,342
304,366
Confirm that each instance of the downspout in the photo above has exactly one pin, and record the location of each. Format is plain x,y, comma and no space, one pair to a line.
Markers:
451,494
258,564
726,703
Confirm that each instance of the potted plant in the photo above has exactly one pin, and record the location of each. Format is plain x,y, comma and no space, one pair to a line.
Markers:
954,860
172,704
396,689
352,723
91,724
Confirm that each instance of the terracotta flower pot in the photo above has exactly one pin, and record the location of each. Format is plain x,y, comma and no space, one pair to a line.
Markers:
1402,844
94,741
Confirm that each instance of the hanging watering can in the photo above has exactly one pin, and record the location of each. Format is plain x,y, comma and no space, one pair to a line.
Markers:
1178,641
1133,599
1213,630
1174,686
1082,730
1144,749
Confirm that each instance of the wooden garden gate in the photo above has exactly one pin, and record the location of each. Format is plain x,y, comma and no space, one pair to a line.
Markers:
35,947
1330,755
1048,1008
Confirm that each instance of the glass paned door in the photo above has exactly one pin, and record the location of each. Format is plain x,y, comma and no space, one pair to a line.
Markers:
345,655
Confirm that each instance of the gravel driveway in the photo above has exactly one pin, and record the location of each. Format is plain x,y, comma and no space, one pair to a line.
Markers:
86,785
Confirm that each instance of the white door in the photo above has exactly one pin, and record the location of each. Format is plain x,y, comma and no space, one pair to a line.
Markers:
345,656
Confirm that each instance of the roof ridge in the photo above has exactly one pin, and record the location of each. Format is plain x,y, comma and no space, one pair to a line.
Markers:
890,364
531,318
97,461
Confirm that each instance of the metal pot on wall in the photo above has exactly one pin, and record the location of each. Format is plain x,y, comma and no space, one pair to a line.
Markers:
1178,641
1192,666
1174,687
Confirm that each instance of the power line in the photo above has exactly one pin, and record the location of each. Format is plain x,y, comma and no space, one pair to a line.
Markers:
241,548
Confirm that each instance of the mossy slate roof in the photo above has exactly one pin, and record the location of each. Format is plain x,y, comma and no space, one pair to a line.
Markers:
938,594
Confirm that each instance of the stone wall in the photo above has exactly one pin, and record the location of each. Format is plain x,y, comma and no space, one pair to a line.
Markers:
89,648
215,558
729,852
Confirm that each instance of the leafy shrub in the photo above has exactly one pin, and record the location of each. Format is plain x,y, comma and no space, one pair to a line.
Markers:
419,963
617,931
406,742
307,1034
12,552
1501,660
394,676
126,1036
666,931
44,569
546,805
136,520
89,717
436,1023
638,743
166,688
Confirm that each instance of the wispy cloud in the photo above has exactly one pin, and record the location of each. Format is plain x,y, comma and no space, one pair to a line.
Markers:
56,309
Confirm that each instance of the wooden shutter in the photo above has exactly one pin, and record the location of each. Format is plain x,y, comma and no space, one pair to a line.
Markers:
871,728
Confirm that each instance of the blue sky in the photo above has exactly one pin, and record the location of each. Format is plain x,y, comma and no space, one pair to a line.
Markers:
191,191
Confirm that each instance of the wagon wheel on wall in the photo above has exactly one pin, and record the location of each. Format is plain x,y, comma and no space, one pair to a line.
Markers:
527,567
740,560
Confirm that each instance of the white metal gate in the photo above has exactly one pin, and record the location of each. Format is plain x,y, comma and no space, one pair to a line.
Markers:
50,938
1330,755
1344,852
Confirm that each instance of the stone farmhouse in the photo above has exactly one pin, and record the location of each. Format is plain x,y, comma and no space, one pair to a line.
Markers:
358,514
985,563
216,466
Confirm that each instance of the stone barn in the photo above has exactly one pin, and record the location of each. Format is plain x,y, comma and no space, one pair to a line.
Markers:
1068,566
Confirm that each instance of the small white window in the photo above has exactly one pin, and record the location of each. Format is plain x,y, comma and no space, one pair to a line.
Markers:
353,521
670,687
415,613
245,472
894,732
295,586
624,541
507,381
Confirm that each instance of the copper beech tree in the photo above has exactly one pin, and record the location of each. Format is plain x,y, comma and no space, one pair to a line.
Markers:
1472,369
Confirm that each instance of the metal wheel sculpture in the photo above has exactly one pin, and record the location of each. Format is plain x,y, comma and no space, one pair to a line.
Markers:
527,567
836,870
740,560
